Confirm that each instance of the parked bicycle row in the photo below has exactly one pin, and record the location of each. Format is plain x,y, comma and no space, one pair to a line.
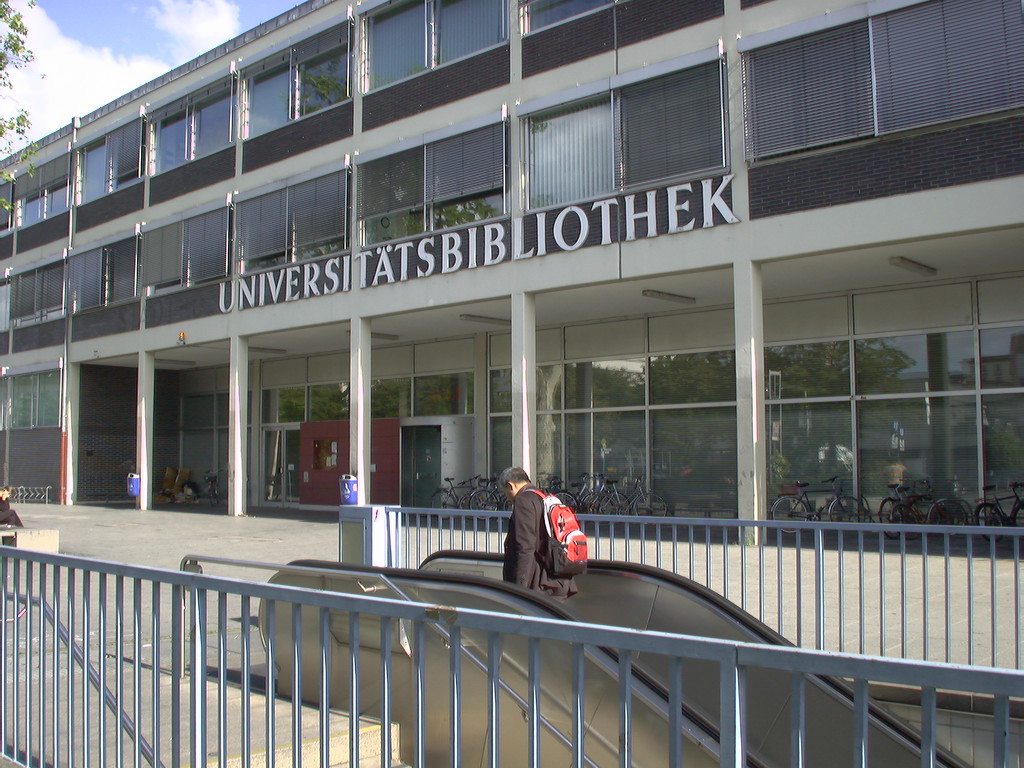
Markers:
590,494
907,503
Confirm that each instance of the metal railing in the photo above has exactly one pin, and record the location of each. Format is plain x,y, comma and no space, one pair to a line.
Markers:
27,494
109,664
938,593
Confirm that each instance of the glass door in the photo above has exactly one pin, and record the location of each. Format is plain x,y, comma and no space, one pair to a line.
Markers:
280,466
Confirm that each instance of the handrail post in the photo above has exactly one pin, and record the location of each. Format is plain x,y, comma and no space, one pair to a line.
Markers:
819,588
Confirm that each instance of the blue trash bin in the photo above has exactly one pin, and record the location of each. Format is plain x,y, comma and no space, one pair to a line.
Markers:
349,489
133,485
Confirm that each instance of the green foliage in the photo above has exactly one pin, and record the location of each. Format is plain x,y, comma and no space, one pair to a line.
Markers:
13,55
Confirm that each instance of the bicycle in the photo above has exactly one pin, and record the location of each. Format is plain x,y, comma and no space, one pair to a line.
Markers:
643,501
990,513
212,494
911,508
451,497
488,496
798,505
567,497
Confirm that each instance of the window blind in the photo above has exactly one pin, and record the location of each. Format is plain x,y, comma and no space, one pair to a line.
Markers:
161,255
572,154
467,164
809,91
261,229
392,183
86,279
322,43
672,125
43,177
316,210
947,59
51,287
121,269
124,150
205,240
23,295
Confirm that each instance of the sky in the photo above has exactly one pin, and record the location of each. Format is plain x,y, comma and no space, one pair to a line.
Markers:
89,52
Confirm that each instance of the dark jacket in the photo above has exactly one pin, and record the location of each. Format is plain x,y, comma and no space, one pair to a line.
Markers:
8,516
526,548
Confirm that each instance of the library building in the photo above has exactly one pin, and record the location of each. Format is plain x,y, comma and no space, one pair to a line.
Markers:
705,247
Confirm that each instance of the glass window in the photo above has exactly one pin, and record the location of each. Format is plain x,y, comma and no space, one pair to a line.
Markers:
501,443
443,395
391,398
571,154
1002,357
501,390
612,444
323,81
198,411
694,455
808,370
701,377
809,442
328,402
268,101
94,172
933,362
543,13
467,26
397,43
284,405
171,142
928,437
33,209
22,394
548,448
605,384
212,125
549,387
1003,424
48,404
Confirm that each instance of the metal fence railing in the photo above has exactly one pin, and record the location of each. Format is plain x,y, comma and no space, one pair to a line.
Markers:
939,593
110,664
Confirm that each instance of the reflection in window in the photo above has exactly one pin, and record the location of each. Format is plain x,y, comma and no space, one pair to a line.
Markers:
702,377
397,39
328,402
443,395
549,387
501,443
612,444
501,390
268,101
694,455
809,443
605,384
1002,357
543,13
323,81
197,411
808,370
35,400
933,362
914,438
548,448
391,398
284,405
1003,424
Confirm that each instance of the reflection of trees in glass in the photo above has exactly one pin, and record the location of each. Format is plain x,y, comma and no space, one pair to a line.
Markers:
444,395
328,402
291,404
466,211
323,82
809,443
880,366
811,370
1004,437
695,378
604,384
389,398
695,459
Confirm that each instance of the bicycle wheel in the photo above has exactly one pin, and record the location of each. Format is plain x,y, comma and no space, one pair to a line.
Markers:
649,504
443,499
948,512
848,509
613,503
885,509
482,499
903,514
569,499
787,508
988,514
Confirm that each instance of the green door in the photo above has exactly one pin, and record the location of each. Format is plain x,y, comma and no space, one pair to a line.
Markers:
421,464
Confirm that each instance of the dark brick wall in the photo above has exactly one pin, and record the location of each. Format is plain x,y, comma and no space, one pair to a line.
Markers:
570,42
192,176
183,305
436,88
614,27
888,167
107,439
300,136
5,340
43,233
6,246
39,336
110,207
35,458
106,321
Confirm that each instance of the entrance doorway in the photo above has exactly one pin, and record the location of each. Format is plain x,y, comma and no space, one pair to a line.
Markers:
421,464
280,466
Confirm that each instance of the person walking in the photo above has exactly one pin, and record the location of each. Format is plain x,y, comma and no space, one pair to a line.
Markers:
7,515
526,542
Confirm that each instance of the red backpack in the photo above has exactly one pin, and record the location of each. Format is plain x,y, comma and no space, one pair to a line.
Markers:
567,544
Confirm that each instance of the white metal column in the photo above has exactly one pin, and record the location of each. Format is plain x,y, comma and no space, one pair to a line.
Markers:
72,399
524,380
238,420
144,427
751,453
359,406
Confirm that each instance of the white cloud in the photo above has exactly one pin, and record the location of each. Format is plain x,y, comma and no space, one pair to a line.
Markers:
196,26
69,78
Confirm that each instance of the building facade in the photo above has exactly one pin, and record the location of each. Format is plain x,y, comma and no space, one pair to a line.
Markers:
713,246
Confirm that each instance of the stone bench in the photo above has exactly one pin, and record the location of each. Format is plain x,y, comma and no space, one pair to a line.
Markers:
41,539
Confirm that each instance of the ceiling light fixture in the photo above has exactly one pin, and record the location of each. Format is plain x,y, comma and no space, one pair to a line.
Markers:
912,266
485,319
380,336
650,293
